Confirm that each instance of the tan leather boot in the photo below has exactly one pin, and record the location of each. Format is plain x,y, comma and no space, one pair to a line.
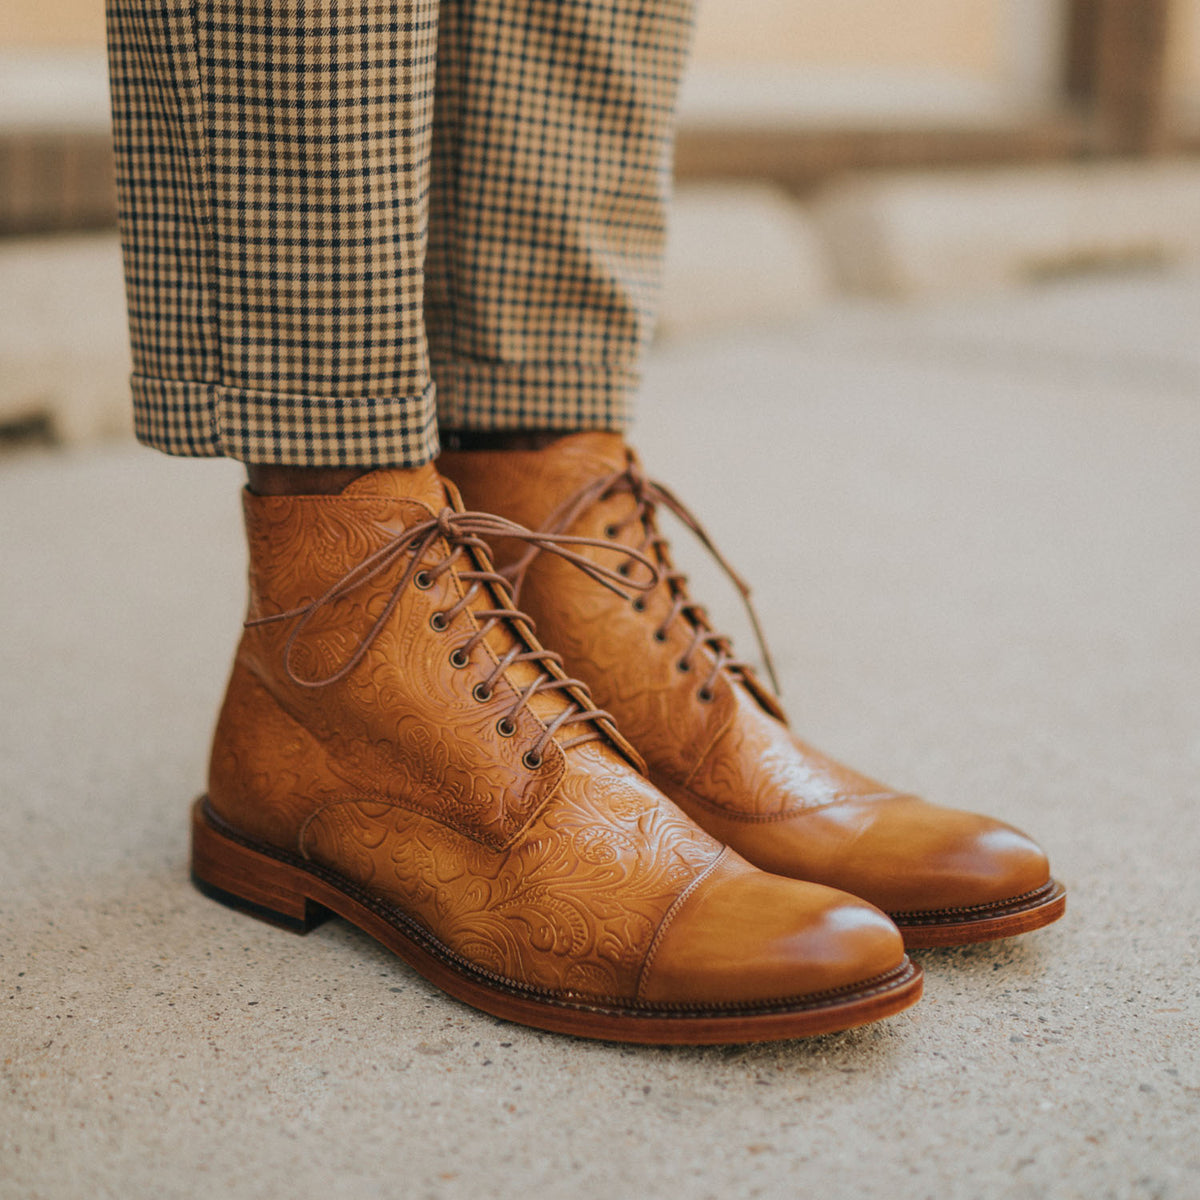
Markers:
715,738
397,748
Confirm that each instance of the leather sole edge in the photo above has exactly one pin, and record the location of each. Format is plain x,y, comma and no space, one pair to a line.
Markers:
259,881
986,923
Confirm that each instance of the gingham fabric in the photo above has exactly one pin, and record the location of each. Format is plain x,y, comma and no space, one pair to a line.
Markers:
343,224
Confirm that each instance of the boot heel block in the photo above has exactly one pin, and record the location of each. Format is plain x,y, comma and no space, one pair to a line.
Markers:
251,882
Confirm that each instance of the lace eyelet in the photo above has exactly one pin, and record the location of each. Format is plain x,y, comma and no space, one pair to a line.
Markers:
531,760
438,622
610,531
481,693
423,580
505,727
459,659
707,695
683,665
623,570
659,636
639,605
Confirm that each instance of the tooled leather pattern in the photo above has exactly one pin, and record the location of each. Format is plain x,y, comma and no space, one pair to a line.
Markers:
571,907
726,754
396,777
267,773
403,725
602,637
759,770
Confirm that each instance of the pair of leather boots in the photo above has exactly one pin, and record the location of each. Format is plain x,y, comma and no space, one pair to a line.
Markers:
623,842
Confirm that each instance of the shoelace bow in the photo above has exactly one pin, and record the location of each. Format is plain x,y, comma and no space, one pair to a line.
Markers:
461,530
650,494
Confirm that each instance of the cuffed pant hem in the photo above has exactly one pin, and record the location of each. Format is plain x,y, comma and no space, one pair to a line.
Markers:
485,396
204,420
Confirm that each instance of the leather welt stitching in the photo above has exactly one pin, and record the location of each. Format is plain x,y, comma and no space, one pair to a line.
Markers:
669,916
969,912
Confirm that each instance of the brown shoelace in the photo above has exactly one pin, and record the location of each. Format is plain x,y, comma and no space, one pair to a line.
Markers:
460,530
649,495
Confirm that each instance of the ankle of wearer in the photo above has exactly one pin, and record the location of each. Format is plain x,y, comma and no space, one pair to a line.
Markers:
271,479
502,439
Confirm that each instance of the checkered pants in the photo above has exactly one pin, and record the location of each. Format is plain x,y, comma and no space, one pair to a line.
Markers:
347,220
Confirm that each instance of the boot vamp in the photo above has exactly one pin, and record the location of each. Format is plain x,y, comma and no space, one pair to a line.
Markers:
569,907
792,810
717,750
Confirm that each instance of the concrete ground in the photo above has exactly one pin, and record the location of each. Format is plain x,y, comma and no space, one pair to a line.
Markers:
975,533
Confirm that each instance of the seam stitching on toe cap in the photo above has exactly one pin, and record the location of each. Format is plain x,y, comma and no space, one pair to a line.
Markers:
669,916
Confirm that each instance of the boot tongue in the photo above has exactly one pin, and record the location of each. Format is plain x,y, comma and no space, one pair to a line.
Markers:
422,484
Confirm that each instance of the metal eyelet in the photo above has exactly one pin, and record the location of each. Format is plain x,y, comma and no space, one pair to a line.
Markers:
683,665
531,760
659,636
438,622
481,693
623,570
610,531
505,727
707,695
423,580
459,659
639,605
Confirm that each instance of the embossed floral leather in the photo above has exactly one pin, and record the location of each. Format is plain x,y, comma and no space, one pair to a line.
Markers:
397,747
714,738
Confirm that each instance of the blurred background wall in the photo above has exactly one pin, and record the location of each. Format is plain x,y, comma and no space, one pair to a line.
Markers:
52,23
791,90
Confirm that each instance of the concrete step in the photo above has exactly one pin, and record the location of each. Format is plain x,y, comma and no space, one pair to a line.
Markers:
56,164
64,345
940,233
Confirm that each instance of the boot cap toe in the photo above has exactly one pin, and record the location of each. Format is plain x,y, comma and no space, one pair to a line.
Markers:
742,936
